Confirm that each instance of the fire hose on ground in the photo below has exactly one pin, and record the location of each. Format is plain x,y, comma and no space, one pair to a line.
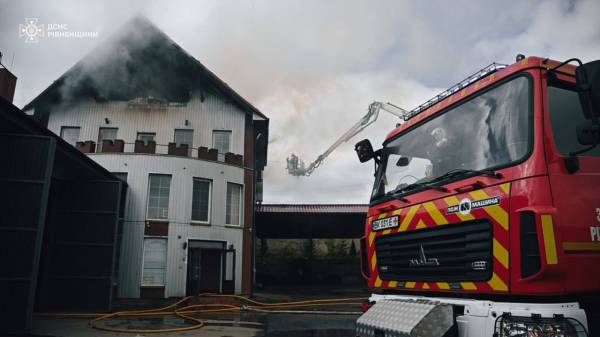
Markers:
185,312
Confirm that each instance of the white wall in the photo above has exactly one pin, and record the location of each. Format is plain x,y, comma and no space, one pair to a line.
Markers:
203,117
182,171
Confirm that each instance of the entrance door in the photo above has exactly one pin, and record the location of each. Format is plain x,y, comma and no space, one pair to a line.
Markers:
193,272
205,265
210,271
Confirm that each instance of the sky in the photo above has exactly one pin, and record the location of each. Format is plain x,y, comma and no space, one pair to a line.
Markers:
313,66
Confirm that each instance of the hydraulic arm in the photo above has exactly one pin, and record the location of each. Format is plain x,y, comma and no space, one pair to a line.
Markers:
296,166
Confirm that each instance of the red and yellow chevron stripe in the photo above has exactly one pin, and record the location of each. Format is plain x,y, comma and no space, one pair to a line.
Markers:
433,213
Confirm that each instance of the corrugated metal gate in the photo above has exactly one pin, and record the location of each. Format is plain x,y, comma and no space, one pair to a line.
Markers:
59,213
76,271
25,168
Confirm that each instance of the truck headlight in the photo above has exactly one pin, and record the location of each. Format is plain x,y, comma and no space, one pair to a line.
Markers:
535,326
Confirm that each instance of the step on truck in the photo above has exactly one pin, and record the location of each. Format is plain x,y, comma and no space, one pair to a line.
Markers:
484,218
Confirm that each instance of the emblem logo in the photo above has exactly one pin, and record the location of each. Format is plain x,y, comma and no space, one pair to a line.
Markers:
423,260
31,30
465,206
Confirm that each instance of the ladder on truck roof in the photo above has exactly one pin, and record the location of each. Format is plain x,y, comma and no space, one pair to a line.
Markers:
481,73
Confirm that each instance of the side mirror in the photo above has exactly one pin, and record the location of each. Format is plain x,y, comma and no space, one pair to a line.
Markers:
403,161
364,150
588,85
588,133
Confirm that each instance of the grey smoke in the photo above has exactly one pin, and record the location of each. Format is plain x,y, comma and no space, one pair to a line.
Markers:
137,61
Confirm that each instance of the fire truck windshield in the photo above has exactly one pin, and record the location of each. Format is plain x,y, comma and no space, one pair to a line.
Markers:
490,131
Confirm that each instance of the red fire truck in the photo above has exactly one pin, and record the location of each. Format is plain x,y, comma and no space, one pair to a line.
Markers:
484,218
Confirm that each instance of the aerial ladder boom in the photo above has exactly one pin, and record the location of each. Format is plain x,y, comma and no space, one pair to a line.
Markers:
295,165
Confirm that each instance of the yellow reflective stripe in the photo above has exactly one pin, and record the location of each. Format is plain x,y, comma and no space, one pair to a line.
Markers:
386,232
468,286
443,285
408,218
434,213
497,284
501,254
506,188
549,242
393,284
410,284
371,238
496,212
453,201
425,286
374,261
581,246
421,224
378,282
382,215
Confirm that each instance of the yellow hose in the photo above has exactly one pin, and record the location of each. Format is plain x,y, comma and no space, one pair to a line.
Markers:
185,311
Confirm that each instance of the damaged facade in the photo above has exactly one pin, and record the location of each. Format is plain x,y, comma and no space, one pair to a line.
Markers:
191,150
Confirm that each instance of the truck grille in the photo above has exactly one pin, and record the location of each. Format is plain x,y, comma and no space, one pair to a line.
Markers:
456,252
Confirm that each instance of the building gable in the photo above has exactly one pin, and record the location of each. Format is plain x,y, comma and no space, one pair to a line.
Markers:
138,62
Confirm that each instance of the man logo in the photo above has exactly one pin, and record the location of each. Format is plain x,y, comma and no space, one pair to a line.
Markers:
422,260
464,207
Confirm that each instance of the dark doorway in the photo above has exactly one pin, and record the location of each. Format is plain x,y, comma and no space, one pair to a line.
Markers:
210,271
318,248
205,261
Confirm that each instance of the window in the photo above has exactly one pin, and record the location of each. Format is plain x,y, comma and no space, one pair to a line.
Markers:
233,207
185,137
105,134
221,142
158,197
155,261
146,137
565,114
201,200
70,134
230,265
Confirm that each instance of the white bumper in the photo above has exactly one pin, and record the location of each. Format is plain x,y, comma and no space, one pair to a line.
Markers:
479,317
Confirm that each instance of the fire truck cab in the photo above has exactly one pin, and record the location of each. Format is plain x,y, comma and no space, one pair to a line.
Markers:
484,217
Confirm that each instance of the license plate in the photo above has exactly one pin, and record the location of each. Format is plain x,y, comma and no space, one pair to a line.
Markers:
385,223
